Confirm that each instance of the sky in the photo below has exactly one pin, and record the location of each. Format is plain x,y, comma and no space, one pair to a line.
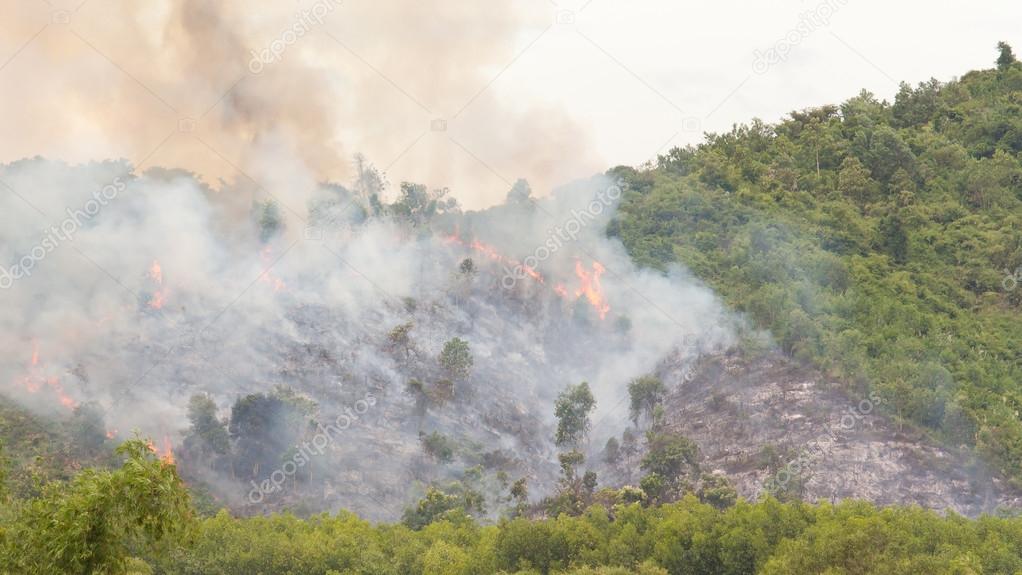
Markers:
465,95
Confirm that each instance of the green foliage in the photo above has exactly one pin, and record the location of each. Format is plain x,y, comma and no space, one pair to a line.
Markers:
871,239
434,505
646,393
717,490
137,519
612,451
520,194
456,358
670,455
400,336
572,408
270,219
1006,57
437,446
206,427
90,524
88,427
686,537
418,205
438,504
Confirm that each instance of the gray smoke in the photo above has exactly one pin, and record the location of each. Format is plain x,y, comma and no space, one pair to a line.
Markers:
137,292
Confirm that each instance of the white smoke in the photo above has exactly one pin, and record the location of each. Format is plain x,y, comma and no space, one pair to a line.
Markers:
241,314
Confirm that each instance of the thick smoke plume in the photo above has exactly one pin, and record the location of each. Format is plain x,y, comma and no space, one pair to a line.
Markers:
138,292
239,94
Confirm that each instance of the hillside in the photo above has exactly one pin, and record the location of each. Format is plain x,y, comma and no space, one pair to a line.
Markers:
881,242
793,348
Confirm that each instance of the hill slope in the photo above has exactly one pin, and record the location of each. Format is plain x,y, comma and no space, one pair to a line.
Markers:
881,242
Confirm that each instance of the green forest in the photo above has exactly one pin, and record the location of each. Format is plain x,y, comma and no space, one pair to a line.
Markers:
138,520
880,242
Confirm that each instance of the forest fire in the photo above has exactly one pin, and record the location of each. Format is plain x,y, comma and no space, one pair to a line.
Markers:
159,296
165,451
590,281
278,285
591,287
492,253
35,381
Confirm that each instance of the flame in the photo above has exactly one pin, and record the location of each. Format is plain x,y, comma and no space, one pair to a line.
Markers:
492,253
590,281
266,255
158,297
591,287
111,433
165,451
156,272
34,381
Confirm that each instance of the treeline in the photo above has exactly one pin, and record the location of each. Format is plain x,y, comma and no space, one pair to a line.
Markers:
137,520
880,241
686,537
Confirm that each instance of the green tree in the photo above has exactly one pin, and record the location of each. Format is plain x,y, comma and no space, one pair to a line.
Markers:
271,220
716,490
646,393
572,409
456,358
612,451
94,523
434,505
400,338
1005,56
437,446
520,194
206,427
670,455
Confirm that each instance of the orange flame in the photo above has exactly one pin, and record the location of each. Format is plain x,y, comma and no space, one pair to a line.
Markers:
492,253
266,255
590,281
34,381
156,272
158,297
591,287
165,451
112,433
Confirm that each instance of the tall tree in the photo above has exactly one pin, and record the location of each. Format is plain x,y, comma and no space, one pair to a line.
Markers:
573,408
1005,57
646,393
456,358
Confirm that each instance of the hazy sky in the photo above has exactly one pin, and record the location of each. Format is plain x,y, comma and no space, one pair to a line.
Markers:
466,94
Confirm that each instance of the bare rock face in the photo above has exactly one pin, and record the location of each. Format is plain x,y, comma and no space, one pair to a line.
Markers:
772,425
